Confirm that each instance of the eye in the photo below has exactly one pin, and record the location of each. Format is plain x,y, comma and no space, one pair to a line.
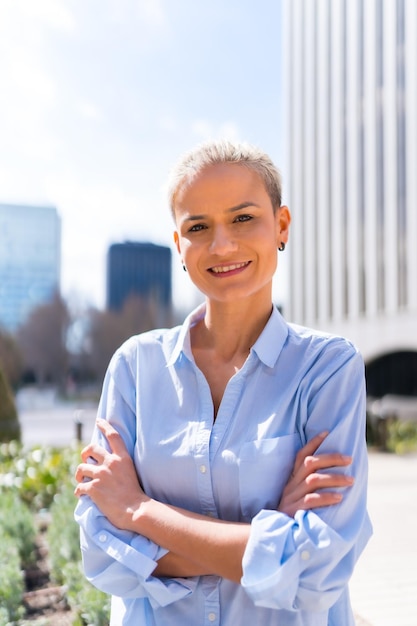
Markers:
243,218
196,228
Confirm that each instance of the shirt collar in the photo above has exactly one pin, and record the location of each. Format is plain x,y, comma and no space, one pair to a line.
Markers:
183,343
270,342
267,347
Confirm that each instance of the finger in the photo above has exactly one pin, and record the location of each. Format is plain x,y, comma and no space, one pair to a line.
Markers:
83,488
315,483
311,501
319,462
312,464
309,449
319,500
85,470
115,441
93,452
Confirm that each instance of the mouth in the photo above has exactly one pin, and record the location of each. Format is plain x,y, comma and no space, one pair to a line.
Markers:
228,269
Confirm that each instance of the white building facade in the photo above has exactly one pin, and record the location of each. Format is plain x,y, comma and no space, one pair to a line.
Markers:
350,176
30,260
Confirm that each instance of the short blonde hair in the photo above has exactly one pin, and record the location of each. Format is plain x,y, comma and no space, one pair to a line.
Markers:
224,151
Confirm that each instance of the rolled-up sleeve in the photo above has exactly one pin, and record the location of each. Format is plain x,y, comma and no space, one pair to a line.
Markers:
297,564
121,563
305,562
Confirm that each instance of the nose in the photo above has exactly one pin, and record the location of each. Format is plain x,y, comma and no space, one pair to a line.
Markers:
222,241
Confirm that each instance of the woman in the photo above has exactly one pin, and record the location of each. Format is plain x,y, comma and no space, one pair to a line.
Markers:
226,483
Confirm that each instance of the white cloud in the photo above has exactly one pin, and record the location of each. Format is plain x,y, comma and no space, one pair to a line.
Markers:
32,82
20,13
29,91
21,63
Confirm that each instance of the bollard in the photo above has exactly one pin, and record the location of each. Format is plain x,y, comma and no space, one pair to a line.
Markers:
78,426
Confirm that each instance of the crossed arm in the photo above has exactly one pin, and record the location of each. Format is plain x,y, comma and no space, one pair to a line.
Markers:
197,544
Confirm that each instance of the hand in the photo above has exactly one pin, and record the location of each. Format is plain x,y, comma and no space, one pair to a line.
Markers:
303,489
112,482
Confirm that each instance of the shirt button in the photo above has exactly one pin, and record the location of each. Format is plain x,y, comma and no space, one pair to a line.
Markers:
102,538
305,555
203,469
212,617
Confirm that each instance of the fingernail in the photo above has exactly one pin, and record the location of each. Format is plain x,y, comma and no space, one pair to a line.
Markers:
324,434
347,458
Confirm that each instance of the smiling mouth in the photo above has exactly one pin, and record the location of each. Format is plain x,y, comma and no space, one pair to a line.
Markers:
224,269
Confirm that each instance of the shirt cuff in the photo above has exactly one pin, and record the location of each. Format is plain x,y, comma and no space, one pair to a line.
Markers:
121,562
289,563
141,558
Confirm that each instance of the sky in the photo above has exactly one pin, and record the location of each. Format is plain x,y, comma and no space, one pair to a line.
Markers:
99,98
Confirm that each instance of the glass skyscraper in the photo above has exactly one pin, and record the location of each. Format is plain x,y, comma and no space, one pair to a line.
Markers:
135,268
30,259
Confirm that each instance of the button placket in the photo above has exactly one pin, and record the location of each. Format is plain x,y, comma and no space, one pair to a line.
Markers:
202,448
227,411
212,614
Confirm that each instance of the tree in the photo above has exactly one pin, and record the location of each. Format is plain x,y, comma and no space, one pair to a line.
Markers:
42,342
109,329
9,423
10,358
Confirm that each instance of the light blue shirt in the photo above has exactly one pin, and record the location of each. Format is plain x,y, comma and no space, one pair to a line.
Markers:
294,384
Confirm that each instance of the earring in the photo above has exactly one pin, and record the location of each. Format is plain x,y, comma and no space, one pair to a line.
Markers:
183,267
281,248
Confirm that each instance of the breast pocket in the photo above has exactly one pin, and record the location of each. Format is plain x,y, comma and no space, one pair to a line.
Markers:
264,468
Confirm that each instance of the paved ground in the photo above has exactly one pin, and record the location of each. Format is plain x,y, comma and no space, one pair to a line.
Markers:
56,426
384,585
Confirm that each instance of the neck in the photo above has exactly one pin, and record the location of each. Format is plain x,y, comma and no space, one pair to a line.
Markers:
232,328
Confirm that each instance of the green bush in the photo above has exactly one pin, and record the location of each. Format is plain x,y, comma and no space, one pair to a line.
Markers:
39,473
16,521
63,534
11,581
31,480
92,606
9,423
402,436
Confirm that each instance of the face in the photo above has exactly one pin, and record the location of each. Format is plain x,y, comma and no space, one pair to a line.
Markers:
228,233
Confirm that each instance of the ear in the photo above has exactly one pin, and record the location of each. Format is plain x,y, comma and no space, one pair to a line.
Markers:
282,222
177,241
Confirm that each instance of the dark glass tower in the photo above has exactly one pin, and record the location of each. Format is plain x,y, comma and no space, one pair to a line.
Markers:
142,269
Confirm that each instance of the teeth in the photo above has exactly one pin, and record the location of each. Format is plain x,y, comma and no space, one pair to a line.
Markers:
227,268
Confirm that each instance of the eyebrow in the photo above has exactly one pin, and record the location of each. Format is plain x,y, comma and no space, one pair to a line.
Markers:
233,209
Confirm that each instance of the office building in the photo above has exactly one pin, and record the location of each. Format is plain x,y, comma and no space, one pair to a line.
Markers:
142,269
30,259
350,174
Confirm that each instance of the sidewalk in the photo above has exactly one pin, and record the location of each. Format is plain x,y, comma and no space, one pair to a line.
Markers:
384,585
